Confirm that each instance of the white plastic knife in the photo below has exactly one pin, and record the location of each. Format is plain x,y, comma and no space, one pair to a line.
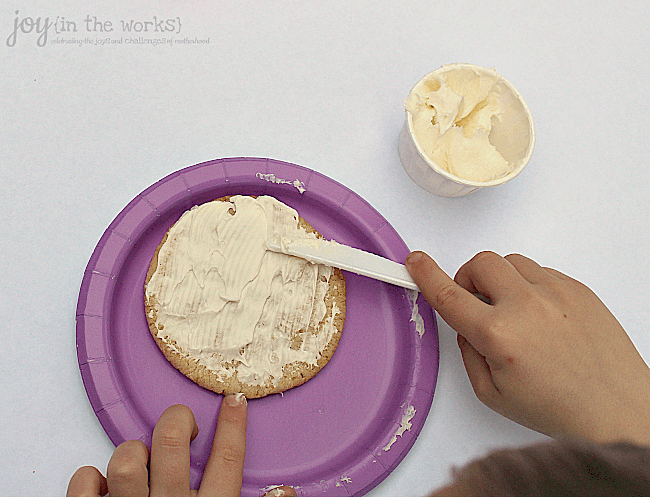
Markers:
345,257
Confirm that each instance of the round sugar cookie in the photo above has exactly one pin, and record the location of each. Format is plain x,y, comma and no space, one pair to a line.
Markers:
229,325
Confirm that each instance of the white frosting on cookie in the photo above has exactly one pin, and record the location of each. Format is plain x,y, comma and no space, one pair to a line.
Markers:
219,295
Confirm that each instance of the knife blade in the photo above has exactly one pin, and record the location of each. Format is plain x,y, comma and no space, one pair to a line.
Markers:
345,257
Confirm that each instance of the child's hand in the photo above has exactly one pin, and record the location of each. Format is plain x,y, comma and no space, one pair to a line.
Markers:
133,473
545,352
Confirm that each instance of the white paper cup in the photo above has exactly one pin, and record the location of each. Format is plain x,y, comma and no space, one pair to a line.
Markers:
513,137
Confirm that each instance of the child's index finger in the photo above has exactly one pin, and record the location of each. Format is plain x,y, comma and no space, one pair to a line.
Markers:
224,470
462,310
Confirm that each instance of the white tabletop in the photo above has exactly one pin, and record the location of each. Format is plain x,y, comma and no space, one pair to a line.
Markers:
85,127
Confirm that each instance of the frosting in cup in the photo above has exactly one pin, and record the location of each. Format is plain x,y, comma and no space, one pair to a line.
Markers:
453,113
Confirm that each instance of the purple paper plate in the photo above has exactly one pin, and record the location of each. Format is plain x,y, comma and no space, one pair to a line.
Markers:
339,434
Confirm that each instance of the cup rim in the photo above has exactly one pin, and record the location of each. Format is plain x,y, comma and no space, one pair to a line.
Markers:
436,168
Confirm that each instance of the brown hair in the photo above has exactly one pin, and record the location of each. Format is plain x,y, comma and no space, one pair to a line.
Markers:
563,468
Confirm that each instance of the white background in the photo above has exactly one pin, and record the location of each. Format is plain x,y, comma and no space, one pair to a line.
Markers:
85,128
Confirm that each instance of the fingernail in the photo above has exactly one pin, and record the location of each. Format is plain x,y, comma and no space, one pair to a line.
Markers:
414,257
235,399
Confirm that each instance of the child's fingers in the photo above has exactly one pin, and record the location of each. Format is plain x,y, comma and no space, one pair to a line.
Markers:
478,372
87,482
127,472
490,275
170,452
457,306
224,470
